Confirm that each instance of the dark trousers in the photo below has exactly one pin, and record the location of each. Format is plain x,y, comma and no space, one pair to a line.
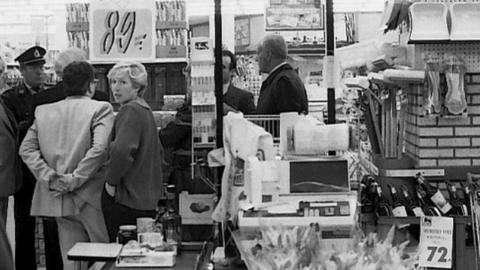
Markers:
53,255
24,224
116,214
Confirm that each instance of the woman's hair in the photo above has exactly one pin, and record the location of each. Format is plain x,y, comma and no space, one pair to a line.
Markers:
136,72
77,77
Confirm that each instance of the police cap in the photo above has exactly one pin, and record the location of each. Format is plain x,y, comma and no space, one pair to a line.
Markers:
32,56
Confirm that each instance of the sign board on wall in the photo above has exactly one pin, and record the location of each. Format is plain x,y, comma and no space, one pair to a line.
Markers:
242,31
294,15
122,30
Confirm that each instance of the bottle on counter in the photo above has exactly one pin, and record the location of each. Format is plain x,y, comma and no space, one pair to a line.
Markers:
428,208
458,207
434,195
172,221
466,196
413,207
367,193
383,205
398,205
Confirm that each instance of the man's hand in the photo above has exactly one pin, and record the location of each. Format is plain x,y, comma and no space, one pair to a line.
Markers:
60,183
110,189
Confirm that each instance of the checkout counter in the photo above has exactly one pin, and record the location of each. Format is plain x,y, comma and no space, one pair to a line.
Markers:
297,190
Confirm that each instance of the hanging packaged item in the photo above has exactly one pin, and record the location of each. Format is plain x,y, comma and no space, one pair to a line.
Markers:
455,69
432,97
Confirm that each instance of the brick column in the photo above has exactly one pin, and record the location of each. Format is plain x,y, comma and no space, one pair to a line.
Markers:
444,142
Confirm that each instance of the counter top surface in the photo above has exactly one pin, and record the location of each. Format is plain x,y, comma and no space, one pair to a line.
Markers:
184,261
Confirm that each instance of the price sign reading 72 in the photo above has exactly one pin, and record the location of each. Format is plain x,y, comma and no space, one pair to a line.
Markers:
441,251
118,31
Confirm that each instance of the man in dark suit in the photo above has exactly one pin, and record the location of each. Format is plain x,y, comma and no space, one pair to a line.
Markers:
6,258
20,101
10,177
282,91
10,171
234,99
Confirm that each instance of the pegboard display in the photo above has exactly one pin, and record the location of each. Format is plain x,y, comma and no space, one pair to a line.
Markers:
468,51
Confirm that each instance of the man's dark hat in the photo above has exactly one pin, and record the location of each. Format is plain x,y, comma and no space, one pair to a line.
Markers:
32,56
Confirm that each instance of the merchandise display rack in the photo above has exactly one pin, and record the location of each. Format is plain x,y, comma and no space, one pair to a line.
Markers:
441,147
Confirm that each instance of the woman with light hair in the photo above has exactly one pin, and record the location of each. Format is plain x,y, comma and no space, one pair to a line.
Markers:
134,176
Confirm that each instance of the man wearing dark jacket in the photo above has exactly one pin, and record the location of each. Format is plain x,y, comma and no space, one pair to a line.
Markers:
10,170
20,100
282,91
234,99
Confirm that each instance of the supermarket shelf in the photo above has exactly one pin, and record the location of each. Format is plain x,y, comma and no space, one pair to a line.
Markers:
204,145
153,61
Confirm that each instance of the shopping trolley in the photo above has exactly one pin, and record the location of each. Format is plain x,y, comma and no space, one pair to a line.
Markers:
270,122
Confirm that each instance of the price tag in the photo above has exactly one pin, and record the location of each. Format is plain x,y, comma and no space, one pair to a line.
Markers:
122,30
436,234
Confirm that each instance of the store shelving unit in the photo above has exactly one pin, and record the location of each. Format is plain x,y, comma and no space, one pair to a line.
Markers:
165,75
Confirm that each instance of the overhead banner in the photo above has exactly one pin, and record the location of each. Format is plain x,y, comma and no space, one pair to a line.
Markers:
295,15
122,30
436,238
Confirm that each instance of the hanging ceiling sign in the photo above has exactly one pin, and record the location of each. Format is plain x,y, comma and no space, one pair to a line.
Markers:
122,30
294,15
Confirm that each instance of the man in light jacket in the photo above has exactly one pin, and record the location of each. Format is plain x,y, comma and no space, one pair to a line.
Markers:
66,150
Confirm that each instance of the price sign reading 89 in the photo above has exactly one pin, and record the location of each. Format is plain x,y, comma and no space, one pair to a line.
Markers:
121,30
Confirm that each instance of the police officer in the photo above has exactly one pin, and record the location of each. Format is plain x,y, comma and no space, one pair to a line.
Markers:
20,100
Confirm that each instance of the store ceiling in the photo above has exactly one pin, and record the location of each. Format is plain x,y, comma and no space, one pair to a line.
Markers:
195,7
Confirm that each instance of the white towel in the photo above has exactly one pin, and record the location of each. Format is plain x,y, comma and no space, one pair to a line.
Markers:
241,139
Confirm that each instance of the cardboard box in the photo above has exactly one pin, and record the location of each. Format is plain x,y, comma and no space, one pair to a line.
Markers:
162,25
196,208
171,51
77,26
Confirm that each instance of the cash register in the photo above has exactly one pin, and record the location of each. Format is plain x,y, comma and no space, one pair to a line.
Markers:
300,190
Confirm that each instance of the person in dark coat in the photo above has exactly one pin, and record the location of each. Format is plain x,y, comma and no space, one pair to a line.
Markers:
20,101
234,98
177,138
134,180
10,170
6,257
282,90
